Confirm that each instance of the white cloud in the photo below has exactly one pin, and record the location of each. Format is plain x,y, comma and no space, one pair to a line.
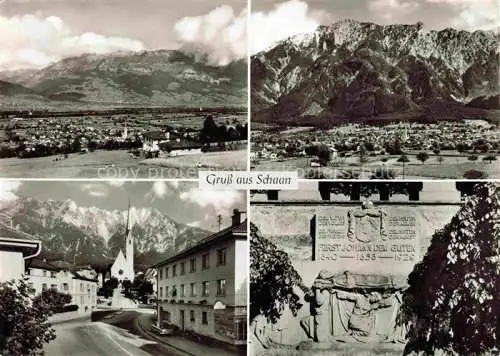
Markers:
34,41
173,184
96,190
194,224
160,189
221,33
475,15
116,183
285,20
392,10
221,201
8,190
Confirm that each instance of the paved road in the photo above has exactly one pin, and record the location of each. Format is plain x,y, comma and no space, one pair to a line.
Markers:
99,339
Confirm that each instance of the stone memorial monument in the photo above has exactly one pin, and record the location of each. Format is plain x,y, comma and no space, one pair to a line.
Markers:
360,306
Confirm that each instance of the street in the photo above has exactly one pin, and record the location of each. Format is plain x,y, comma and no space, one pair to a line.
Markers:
85,338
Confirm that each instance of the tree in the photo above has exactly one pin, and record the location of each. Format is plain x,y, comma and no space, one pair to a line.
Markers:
422,156
52,300
490,158
272,279
24,326
472,158
362,154
404,159
453,299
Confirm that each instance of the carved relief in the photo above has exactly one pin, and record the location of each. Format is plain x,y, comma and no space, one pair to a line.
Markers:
366,224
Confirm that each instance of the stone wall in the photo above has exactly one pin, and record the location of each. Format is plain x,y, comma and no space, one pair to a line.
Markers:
408,226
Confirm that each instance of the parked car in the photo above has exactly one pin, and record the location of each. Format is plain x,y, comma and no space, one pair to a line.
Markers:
161,330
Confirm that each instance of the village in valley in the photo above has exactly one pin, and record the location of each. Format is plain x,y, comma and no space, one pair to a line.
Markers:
441,150
40,145
190,301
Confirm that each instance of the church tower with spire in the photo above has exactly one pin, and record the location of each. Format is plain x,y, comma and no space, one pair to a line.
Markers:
123,267
129,249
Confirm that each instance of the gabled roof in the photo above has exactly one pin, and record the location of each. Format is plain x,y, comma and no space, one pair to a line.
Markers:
232,232
83,278
120,258
10,233
43,264
180,145
15,240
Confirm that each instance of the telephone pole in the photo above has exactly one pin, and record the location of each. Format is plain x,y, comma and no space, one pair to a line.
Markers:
219,221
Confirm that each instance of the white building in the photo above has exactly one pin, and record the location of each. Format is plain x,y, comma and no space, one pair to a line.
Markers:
152,139
16,248
123,267
180,147
203,289
42,275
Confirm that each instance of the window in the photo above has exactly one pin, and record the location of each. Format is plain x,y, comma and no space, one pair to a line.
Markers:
52,274
44,286
204,318
183,268
30,287
191,316
28,271
205,261
193,290
174,270
221,257
81,287
182,290
166,272
221,288
168,316
166,291
161,292
53,286
241,330
44,273
193,265
174,291
161,273
206,289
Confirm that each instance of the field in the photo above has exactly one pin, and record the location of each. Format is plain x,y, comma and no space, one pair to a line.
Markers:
119,165
453,166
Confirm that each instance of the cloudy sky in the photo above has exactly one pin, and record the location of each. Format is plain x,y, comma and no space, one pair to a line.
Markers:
42,31
273,20
182,202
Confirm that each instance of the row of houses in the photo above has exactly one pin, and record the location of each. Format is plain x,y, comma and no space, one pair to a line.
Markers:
202,289
177,144
19,259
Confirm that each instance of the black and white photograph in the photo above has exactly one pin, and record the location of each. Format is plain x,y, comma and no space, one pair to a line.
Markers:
122,89
375,268
122,268
385,89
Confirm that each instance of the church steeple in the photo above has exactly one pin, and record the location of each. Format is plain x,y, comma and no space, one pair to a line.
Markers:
129,249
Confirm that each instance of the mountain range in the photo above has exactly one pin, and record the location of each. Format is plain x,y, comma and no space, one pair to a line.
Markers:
91,235
148,78
354,69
